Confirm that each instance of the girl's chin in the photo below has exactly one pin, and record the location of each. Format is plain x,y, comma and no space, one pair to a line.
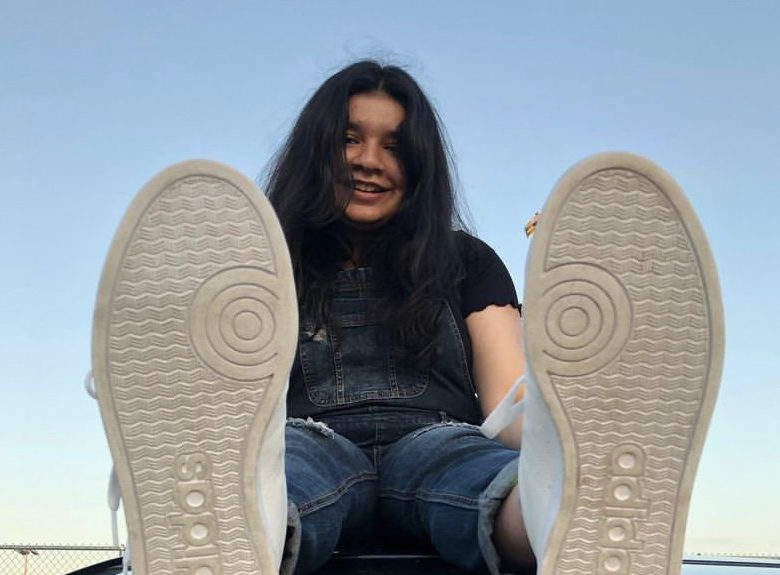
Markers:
364,224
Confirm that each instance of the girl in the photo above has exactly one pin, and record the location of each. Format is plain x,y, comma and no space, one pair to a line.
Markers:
410,332
274,380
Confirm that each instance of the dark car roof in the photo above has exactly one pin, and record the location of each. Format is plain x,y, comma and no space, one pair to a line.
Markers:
377,564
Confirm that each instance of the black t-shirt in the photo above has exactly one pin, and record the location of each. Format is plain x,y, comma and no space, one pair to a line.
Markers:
486,282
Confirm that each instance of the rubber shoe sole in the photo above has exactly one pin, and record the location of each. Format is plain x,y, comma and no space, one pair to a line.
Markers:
624,338
195,329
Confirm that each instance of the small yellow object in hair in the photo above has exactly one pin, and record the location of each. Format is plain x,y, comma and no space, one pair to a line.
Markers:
530,226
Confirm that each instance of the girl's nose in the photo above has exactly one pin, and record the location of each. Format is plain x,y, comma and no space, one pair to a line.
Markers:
368,157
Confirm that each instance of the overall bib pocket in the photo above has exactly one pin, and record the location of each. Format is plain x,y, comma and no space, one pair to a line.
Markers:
353,362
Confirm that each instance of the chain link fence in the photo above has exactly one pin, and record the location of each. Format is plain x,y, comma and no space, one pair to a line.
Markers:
52,559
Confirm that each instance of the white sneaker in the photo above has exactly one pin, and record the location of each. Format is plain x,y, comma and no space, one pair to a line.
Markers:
624,345
194,333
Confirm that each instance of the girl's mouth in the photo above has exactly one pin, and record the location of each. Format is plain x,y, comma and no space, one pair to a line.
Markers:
368,188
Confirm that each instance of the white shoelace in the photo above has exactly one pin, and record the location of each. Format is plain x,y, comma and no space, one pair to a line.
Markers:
114,494
504,413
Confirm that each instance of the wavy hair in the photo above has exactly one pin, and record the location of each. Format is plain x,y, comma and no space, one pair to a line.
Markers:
413,256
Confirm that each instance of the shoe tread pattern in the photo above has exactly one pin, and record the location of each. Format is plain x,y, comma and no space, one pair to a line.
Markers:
167,401
644,399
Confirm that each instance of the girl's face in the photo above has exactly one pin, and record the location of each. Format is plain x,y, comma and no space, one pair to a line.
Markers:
370,149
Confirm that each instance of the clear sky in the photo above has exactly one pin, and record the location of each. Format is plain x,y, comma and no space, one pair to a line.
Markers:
97,96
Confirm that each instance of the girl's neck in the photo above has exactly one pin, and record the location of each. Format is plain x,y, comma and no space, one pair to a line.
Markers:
360,243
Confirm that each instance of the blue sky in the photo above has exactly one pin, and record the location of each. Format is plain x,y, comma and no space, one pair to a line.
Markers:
96,97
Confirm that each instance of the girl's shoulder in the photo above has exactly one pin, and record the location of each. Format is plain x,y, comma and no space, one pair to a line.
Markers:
486,280
473,252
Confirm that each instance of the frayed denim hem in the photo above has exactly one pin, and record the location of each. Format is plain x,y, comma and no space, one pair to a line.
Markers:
309,423
489,502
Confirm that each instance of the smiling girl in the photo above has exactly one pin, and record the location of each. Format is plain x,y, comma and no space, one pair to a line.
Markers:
279,378
410,331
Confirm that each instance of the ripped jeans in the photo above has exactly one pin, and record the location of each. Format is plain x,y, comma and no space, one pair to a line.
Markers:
393,454
442,483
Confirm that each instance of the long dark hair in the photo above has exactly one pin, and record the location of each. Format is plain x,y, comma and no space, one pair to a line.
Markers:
413,256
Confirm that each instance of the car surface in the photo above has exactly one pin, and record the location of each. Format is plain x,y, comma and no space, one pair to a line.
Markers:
427,564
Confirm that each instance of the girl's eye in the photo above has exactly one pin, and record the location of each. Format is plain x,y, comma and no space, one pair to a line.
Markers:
392,147
350,139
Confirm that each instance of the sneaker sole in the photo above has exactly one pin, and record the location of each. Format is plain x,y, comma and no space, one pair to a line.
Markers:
624,336
194,331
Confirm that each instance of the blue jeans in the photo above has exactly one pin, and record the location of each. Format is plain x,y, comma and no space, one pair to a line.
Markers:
441,483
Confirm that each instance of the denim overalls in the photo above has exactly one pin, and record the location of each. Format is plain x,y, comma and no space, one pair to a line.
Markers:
372,436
